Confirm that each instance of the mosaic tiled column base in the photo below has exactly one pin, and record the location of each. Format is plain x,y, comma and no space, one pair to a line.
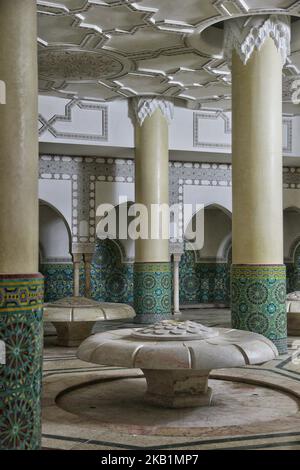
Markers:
258,301
152,292
21,329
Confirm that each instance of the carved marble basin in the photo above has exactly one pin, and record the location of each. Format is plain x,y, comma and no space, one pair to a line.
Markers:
176,357
74,317
293,313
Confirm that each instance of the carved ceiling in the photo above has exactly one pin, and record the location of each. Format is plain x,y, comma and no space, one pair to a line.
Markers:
110,49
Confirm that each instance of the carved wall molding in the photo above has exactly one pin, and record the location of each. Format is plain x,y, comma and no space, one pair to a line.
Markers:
215,115
200,118
51,125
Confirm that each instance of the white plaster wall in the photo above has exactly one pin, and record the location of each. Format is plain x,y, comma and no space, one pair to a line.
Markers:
217,230
120,130
123,221
291,198
207,195
212,131
190,131
120,125
113,192
53,234
58,193
295,136
181,130
116,193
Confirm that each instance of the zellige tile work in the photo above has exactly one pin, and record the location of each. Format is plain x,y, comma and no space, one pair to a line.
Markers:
203,282
152,291
258,301
21,329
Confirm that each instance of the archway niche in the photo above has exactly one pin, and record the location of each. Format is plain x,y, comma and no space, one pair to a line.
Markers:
205,270
291,231
112,264
55,252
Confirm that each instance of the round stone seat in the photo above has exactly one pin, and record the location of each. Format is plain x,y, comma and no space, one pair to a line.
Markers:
176,357
293,313
74,317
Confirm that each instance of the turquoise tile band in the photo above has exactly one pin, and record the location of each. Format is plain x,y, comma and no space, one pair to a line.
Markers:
258,301
152,291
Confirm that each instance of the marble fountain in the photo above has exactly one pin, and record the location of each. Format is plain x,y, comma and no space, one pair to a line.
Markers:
293,313
74,317
176,357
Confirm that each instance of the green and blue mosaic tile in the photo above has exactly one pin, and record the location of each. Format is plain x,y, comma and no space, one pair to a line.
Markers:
258,301
203,282
152,291
21,329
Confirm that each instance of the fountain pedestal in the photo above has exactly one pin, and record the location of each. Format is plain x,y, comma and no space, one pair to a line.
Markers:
177,388
74,317
176,357
293,313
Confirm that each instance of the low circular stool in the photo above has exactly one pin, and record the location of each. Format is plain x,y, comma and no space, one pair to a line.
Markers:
293,313
75,317
177,357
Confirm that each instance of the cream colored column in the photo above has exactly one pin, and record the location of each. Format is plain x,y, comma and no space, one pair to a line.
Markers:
21,286
176,261
258,47
152,179
18,138
152,270
77,258
257,223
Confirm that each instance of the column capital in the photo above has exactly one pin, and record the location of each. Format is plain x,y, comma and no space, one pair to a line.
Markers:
177,257
246,34
83,248
77,257
143,107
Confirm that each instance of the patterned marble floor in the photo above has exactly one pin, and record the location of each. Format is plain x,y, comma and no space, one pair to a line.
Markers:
74,431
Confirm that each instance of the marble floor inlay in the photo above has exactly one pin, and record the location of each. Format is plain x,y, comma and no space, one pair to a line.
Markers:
87,406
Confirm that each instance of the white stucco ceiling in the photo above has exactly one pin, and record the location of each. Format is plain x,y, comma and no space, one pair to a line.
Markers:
114,49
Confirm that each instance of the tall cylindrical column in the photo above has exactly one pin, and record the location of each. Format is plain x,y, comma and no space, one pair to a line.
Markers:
152,270
21,287
258,273
77,258
88,258
176,261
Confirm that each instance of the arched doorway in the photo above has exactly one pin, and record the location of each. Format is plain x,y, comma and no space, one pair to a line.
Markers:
111,278
205,273
112,265
291,231
55,252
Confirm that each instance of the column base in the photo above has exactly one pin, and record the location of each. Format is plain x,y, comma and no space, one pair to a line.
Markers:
152,292
258,301
21,330
177,388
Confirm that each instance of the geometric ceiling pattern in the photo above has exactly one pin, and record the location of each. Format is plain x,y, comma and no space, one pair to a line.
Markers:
112,49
